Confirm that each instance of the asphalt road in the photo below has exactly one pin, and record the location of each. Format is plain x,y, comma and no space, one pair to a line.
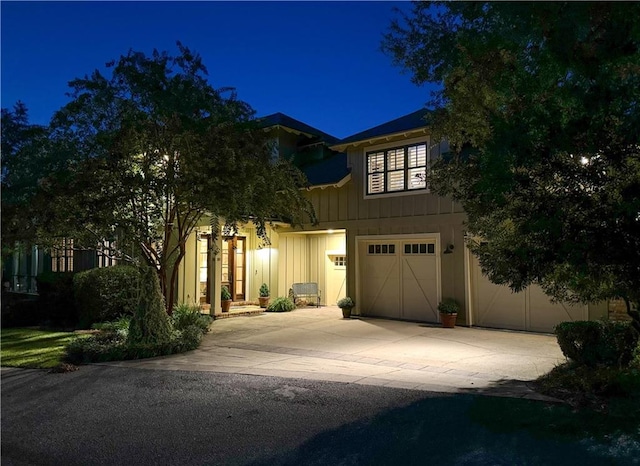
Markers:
112,415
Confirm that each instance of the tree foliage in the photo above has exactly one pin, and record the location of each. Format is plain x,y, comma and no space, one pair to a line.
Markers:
150,149
24,160
540,102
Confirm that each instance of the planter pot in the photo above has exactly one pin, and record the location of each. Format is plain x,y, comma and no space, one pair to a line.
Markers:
448,320
264,301
346,312
226,305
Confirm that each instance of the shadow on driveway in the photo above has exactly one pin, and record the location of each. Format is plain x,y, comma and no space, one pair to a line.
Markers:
467,430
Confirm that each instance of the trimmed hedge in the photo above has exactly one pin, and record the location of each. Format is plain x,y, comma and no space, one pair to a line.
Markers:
55,298
104,294
593,343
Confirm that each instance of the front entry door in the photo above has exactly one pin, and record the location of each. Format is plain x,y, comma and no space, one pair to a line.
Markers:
233,266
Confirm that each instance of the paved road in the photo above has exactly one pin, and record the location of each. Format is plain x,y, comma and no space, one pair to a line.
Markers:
113,415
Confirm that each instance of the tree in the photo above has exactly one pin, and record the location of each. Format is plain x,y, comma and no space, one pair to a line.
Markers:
24,159
152,149
540,102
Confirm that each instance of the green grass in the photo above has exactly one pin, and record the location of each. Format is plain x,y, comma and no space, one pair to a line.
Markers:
32,348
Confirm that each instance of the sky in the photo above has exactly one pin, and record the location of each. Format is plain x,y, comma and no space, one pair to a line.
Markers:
318,62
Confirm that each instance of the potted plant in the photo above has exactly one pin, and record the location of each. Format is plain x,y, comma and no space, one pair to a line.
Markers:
264,296
448,308
346,304
225,299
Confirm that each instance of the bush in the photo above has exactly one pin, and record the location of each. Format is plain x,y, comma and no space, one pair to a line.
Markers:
106,346
55,298
104,294
281,304
150,323
593,343
264,290
185,315
20,310
225,294
448,306
119,326
346,303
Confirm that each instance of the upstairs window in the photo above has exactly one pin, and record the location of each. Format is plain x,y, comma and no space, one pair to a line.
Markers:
396,170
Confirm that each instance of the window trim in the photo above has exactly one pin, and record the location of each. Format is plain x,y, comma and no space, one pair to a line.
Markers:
385,149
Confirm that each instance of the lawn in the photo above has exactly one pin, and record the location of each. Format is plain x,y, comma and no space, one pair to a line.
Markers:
33,348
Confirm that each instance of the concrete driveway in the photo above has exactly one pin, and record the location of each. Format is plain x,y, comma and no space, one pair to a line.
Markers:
318,344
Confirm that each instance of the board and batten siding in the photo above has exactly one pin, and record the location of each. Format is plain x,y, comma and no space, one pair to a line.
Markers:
303,258
412,213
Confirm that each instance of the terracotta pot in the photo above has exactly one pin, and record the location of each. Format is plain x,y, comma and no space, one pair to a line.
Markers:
226,305
346,312
264,301
448,320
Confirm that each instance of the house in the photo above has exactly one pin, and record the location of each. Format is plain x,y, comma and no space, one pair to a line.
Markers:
383,238
25,263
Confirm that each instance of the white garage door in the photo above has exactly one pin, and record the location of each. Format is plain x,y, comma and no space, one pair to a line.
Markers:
399,278
531,310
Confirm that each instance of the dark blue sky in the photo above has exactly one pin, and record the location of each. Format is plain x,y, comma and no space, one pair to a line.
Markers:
319,62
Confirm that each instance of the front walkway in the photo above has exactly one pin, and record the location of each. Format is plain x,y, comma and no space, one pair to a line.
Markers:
319,344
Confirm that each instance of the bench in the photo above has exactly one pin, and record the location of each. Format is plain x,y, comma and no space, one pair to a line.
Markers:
306,290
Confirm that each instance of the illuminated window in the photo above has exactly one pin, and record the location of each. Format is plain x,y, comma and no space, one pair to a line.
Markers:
397,170
62,256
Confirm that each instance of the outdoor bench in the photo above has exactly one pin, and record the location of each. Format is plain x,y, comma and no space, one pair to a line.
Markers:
306,290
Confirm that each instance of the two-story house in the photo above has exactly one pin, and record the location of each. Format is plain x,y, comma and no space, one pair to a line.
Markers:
383,238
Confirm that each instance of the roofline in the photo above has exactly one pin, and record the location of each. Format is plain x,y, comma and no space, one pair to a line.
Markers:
337,184
385,137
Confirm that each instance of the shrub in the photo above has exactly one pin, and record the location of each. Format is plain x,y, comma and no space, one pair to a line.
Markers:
264,290
597,342
55,298
346,303
150,323
104,294
281,304
119,326
105,347
185,315
20,310
448,306
225,295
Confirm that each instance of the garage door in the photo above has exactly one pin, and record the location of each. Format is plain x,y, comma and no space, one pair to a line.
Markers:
399,278
531,310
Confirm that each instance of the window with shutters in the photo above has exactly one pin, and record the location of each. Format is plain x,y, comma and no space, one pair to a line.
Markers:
397,169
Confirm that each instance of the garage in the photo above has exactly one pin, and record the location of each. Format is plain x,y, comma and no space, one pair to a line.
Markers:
399,277
531,310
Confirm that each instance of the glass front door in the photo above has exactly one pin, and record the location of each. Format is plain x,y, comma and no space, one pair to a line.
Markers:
233,266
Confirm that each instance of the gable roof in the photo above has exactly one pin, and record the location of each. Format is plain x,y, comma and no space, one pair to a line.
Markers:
332,171
280,119
412,121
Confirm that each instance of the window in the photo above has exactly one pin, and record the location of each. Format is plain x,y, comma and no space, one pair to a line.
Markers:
339,261
382,249
397,170
419,248
105,254
62,256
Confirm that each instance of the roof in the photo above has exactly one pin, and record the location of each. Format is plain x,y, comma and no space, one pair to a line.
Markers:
408,122
280,119
328,172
